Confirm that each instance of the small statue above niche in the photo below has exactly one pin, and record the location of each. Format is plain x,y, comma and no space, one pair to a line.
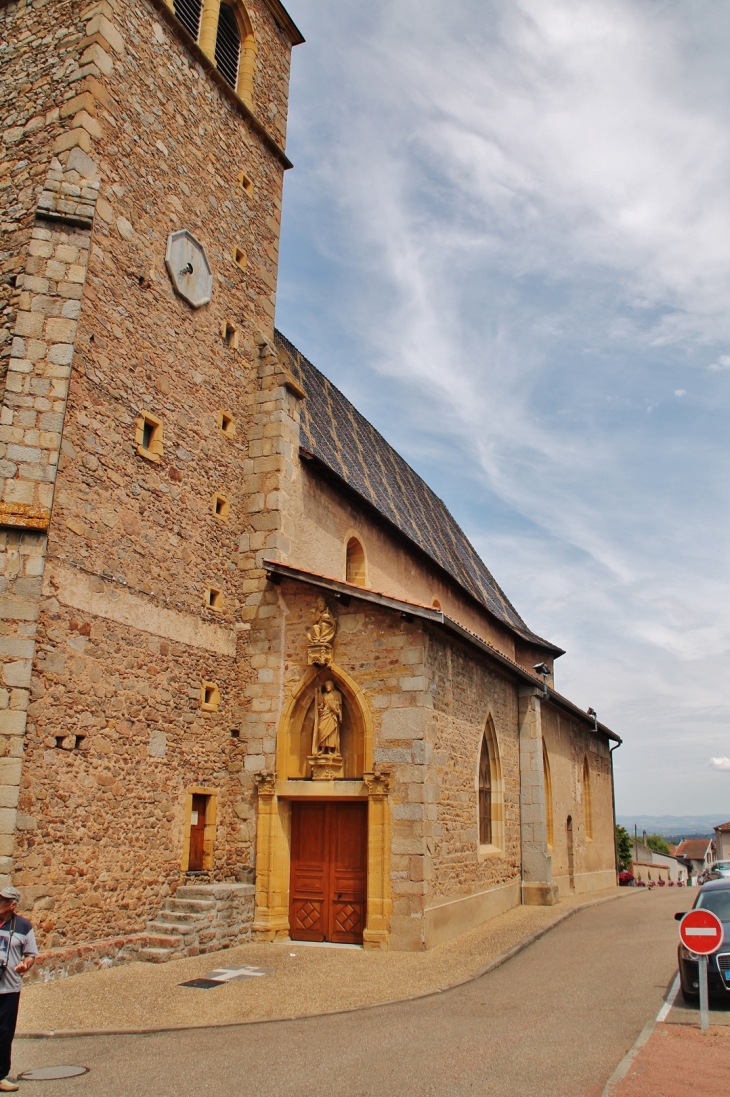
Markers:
321,636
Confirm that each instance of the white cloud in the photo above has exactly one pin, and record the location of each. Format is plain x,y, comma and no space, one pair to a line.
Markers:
505,236
720,763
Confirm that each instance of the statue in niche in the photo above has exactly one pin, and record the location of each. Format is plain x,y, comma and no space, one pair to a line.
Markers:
325,759
321,635
327,720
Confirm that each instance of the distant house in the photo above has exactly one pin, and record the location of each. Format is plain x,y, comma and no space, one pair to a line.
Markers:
649,866
722,842
697,854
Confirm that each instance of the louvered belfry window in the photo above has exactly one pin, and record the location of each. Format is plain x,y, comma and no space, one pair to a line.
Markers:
228,46
188,12
485,796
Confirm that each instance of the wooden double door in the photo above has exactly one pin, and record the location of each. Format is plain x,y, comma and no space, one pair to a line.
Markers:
328,887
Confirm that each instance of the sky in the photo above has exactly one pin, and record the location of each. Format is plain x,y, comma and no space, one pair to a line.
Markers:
506,238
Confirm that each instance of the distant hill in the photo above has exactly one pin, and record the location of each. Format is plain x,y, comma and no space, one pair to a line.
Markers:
674,826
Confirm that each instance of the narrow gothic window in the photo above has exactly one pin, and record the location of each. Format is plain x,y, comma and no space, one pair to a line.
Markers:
485,796
355,563
549,825
587,800
188,12
228,45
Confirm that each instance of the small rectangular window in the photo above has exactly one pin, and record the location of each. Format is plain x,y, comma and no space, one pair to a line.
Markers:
148,436
210,697
214,599
226,424
221,507
239,257
246,183
230,334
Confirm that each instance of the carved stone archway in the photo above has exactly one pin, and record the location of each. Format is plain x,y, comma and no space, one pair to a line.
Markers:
277,790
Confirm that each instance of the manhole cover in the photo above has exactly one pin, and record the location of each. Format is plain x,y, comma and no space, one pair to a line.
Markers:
50,1074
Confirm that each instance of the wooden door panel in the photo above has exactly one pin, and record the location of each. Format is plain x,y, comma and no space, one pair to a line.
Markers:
196,853
349,872
309,887
328,887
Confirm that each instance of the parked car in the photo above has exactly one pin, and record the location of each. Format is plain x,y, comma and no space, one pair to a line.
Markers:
714,896
720,870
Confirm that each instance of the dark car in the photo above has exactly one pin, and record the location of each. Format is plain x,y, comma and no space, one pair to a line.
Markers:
714,896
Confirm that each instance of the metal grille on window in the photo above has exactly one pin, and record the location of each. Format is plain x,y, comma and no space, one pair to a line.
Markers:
228,46
485,796
188,12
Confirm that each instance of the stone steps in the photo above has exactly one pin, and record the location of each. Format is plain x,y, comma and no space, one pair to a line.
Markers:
155,955
184,919
163,940
189,906
200,918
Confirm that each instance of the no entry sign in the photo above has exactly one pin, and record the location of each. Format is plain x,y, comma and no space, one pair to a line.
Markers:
701,931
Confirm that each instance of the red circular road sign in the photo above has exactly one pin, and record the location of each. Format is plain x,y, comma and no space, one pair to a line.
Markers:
701,931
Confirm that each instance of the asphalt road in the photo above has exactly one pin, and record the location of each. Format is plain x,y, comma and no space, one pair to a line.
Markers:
554,1022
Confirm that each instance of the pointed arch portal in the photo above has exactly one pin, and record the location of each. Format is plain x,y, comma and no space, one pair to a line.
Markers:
290,796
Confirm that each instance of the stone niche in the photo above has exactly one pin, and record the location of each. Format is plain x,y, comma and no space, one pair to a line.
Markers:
300,731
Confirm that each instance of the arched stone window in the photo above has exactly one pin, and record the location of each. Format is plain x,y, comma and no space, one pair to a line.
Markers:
355,563
587,801
548,783
224,32
490,797
485,796
228,45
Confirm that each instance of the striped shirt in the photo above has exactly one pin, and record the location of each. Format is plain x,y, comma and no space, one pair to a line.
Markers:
13,947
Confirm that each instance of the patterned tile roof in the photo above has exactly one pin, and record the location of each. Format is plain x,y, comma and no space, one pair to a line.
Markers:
342,439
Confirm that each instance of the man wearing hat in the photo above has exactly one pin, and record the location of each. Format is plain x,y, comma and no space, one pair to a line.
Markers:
17,955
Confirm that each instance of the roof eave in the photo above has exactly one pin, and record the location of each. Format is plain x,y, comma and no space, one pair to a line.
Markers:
436,617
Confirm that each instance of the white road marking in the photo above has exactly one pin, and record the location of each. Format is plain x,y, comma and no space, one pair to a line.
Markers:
671,999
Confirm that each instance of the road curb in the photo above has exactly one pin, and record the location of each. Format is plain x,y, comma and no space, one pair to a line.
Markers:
643,1038
497,962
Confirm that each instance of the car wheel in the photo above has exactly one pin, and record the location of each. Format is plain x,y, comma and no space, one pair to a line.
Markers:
689,996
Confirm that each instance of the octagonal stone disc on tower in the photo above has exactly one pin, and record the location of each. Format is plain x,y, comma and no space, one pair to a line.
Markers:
188,267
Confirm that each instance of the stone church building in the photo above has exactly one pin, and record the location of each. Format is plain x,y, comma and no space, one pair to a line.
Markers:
246,651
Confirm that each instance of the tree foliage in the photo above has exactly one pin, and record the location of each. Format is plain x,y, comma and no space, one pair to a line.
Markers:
625,847
657,843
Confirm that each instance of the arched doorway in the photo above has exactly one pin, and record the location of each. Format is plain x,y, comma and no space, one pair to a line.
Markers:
323,842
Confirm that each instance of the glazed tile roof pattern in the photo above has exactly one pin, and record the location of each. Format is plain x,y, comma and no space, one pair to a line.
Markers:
342,439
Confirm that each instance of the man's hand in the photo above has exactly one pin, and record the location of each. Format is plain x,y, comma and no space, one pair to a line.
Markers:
25,965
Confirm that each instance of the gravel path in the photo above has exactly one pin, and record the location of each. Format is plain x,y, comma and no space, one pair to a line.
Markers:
302,979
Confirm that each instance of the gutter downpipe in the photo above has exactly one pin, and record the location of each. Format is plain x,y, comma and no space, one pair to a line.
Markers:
613,804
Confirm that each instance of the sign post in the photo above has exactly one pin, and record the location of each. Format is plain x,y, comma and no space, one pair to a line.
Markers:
701,932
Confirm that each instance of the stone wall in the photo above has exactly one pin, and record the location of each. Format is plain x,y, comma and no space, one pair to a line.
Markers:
429,698
469,692
38,53
567,746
